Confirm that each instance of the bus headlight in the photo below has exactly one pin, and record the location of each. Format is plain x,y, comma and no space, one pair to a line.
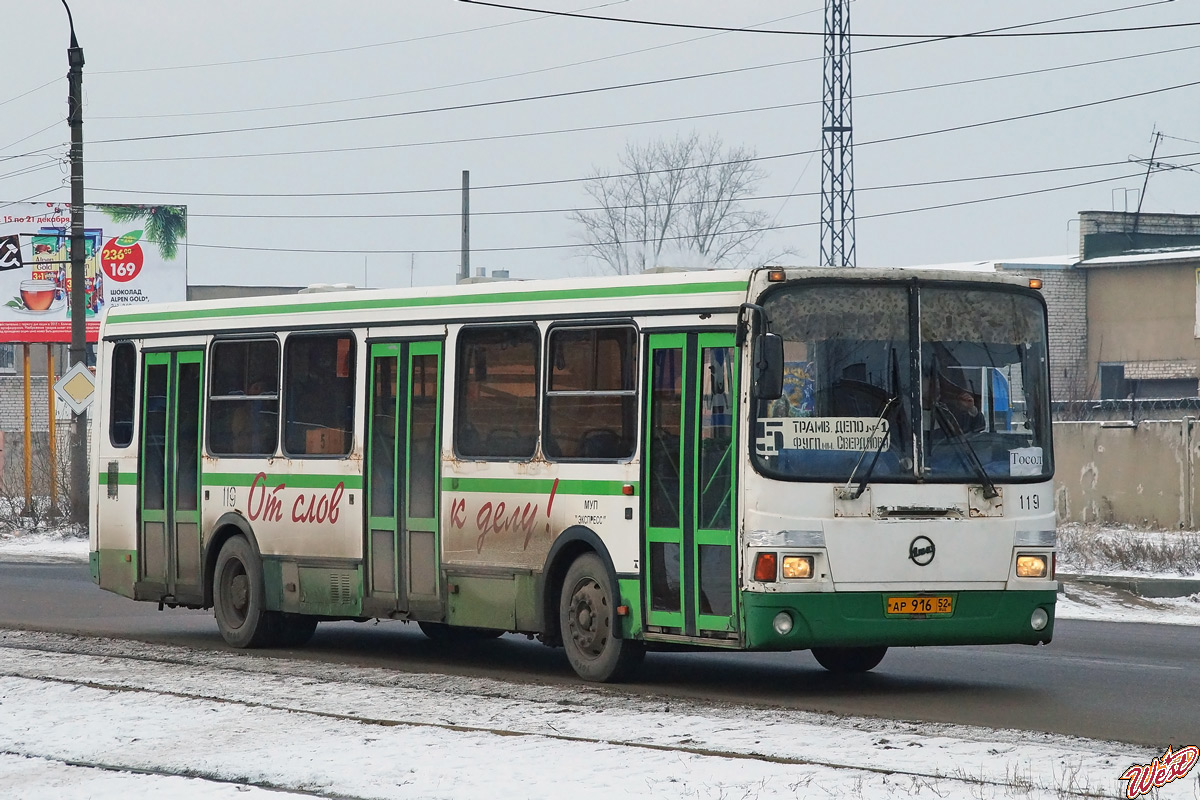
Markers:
783,623
1039,618
797,566
1031,566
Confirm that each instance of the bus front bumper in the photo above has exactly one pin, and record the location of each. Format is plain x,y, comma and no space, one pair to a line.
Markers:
860,619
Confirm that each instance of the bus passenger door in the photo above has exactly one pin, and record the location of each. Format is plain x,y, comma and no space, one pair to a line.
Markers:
690,479
169,475
403,464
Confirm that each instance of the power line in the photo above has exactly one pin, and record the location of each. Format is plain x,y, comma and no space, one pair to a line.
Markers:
440,109
32,197
54,124
461,84
28,170
482,104
611,126
331,51
754,198
31,91
41,151
902,137
1179,139
932,36
764,229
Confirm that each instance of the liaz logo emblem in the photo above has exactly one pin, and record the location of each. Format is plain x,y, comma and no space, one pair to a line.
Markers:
921,550
1171,765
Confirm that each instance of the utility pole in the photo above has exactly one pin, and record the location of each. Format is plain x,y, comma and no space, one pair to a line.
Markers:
837,144
1137,215
465,267
79,462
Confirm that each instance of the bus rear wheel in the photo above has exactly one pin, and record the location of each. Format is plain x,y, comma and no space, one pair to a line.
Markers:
239,601
585,614
844,660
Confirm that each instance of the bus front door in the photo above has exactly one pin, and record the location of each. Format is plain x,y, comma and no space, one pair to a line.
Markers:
690,486
169,554
403,467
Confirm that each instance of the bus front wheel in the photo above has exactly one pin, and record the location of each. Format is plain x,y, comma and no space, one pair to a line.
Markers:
844,660
585,614
239,602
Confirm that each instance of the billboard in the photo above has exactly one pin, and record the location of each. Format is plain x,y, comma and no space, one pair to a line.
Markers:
133,254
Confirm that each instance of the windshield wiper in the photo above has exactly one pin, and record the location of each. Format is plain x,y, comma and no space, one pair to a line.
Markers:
950,425
862,484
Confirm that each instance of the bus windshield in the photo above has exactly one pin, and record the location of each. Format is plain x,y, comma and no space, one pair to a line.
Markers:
853,407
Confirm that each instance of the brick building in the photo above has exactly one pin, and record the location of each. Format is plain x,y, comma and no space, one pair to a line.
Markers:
1124,324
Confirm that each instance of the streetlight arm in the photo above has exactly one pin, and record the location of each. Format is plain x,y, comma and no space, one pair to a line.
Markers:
71,22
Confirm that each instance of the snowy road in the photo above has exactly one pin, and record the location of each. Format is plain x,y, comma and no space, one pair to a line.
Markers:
106,719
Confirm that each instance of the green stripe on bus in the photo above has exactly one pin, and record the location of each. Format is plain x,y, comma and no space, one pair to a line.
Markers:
442,300
123,479
274,479
534,486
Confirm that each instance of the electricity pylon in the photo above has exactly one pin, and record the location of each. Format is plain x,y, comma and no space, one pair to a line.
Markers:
837,146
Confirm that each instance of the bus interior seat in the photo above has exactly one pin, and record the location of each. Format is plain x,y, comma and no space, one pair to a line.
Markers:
601,443
508,442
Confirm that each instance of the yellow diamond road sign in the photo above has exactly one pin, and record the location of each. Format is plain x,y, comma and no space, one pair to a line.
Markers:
76,388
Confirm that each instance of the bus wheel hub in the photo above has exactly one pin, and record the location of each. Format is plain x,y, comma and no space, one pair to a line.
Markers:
239,592
586,623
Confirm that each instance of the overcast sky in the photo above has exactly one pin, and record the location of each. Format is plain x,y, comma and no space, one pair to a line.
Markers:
158,68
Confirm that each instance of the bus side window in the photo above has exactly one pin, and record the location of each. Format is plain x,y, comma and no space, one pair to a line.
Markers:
123,381
591,407
318,389
496,392
243,401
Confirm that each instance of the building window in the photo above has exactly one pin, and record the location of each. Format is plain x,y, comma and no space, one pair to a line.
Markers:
318,386
1164,389
496,392
243,401
1113,385
8,358
591,404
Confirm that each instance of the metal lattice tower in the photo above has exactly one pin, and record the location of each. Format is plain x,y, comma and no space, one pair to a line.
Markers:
837,147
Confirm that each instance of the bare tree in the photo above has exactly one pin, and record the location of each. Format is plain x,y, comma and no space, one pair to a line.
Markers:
679,198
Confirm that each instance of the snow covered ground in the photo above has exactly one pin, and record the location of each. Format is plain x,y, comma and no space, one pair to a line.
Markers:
108,719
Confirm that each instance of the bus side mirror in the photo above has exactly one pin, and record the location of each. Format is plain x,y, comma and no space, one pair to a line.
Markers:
768,366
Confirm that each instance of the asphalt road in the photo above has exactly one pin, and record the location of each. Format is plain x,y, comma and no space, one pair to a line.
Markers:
1125,682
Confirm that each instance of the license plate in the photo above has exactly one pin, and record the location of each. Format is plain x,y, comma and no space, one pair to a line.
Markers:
925,604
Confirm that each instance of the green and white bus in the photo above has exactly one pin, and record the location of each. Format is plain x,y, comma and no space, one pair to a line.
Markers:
775,459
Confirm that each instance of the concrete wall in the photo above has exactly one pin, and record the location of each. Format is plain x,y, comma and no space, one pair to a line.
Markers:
1142,473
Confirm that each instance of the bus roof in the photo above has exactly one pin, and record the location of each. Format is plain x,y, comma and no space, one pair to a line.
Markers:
684,292
714,290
